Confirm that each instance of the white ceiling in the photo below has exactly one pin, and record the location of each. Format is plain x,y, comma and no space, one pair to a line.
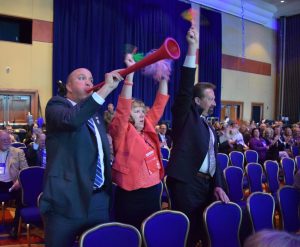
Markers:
287,8
264,12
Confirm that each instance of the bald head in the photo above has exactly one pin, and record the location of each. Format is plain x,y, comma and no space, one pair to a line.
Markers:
78,82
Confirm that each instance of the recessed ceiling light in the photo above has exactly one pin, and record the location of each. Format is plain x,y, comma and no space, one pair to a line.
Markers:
282,1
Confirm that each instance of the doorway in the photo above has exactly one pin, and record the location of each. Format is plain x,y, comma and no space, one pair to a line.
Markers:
257,111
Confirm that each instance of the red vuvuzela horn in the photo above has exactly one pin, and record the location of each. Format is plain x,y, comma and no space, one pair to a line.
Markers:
168,50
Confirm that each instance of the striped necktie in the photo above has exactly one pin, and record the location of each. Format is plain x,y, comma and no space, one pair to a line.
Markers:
99,180
211,151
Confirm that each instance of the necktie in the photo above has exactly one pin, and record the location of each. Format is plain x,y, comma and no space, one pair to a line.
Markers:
211,151
98,182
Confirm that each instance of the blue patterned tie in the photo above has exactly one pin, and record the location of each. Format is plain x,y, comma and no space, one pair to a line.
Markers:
99,176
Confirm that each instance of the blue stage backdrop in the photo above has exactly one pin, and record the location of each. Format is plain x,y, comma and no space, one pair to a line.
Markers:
92,34
210,52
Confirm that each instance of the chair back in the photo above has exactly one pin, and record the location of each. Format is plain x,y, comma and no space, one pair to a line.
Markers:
223,160
288,167
297,161
295,150
166,193
234,180
251,156
272,173
254,173
289,204
31,181
237,159
165,152
261,208
111,234
222,222
18,145
165,228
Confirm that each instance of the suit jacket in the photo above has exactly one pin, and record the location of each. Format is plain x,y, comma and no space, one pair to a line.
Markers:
190,134
34,157
16,161
72,156
168,140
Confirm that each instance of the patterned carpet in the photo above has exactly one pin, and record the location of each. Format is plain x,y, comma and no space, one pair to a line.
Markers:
5,240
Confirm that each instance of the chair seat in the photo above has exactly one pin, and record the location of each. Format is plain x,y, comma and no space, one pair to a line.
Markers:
31,215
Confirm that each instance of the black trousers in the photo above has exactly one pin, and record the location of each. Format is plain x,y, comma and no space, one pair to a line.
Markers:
192,198
61,231
132,207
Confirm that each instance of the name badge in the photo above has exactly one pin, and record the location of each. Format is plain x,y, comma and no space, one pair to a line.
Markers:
2,168
152,162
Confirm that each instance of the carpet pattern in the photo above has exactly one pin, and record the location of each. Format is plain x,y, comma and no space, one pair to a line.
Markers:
37,239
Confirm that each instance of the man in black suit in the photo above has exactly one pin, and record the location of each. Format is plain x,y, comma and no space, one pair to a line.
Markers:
194,177
164,139
77,182
36,151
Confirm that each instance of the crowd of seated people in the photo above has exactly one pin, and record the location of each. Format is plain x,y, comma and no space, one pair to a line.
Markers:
272,141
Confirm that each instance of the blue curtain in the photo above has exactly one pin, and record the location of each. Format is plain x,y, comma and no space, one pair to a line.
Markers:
92,34
210,52
291,87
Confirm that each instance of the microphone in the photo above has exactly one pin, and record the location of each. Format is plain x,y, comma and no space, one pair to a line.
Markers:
61,88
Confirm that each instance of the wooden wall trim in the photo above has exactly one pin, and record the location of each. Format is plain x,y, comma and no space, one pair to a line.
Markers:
245,65
42,31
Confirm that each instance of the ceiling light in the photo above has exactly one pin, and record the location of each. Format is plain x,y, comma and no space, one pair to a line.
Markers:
282,1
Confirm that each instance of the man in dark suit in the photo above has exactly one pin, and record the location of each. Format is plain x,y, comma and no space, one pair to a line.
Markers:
36,151
164,139
77,182
194,177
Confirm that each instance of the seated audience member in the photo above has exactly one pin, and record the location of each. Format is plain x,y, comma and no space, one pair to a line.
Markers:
36,151
272,143
137,169
288,140
164,139
12,160
262,128
259,145
280,141
109,114
9,129
157,127
244,130
272,238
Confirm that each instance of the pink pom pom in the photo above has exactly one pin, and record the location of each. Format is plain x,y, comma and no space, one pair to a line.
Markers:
159,70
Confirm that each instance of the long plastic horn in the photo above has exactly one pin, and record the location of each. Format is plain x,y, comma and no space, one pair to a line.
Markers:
168,50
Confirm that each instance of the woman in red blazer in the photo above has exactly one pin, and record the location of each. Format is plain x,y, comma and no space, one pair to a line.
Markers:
137,169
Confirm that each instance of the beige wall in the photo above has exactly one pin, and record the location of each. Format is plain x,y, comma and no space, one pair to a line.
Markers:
30,64
260,45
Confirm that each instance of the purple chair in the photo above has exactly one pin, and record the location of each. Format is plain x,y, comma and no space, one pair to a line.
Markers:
165,153
223,160
288,167
261,208
297,161
31,181
111,234
166,228
295,150
272,173
251,156
18,145
289,201
254,173
234,179
223,222
237,159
